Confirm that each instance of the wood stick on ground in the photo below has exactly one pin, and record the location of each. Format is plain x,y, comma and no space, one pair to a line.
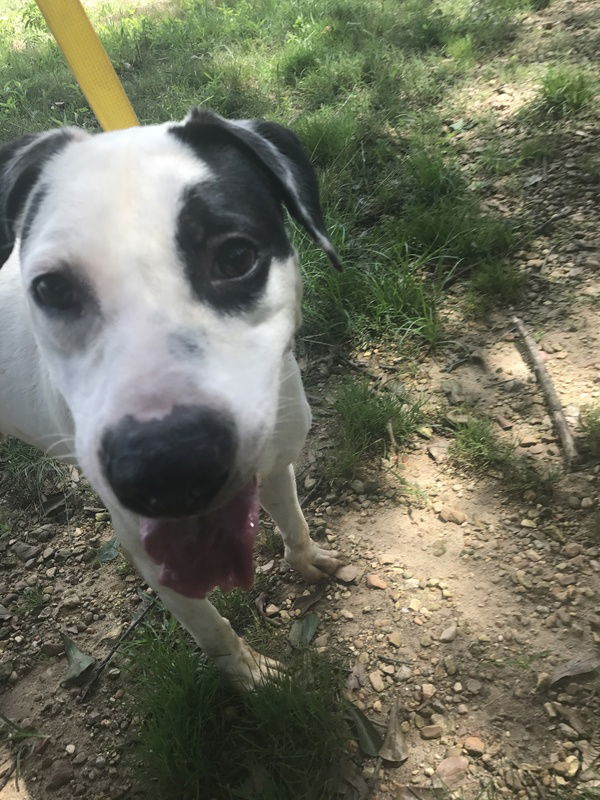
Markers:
545,381
102,665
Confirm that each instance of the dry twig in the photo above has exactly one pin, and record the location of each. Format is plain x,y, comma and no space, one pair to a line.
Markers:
547,387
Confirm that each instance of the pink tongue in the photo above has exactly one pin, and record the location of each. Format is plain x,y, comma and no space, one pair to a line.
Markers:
197,554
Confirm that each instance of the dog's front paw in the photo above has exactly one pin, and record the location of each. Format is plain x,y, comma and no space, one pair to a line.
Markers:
248,669
314,563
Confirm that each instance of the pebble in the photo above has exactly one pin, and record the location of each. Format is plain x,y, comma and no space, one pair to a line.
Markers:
375,582
427,691
452,770
377,680
431,731
403,673
347,573
474,746
449,633
450,665
448,514
587,502
395,638
70,749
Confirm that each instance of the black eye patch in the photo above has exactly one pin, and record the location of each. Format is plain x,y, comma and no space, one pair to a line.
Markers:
228,232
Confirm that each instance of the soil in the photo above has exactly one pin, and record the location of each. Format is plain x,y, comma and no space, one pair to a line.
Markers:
467,622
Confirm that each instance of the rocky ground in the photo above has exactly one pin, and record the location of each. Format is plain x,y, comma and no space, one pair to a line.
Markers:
475,608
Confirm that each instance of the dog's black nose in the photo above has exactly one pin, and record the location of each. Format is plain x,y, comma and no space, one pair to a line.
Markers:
169,467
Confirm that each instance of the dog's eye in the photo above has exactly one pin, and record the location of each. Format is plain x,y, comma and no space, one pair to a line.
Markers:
57,291
234,259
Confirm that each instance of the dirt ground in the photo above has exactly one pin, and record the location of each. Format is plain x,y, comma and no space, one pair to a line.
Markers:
463,602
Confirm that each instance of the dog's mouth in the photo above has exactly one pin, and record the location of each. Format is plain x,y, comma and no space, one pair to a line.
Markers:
199,553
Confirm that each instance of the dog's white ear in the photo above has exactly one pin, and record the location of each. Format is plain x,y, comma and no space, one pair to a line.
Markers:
21,163
281,153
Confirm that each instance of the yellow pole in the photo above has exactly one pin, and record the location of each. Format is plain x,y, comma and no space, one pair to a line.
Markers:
89,63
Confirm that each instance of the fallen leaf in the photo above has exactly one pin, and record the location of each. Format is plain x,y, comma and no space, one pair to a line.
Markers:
79,663
369,738
261,602
303,630
109,551
394,746
575,668
306,602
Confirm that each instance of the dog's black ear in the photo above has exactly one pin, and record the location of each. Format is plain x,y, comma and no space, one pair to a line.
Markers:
281,153
21,163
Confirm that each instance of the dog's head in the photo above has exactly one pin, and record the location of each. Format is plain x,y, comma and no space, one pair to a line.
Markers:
164,293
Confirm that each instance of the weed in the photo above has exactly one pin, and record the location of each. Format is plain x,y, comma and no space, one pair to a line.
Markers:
29,475
563,90
477,447
31,601
497,284
270,543
590,425
362,416
539,149
287,736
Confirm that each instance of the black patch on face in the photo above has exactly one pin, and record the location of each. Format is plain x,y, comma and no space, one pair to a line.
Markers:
21,163
36,201
239,202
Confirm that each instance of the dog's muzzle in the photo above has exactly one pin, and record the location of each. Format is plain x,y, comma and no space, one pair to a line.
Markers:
170,467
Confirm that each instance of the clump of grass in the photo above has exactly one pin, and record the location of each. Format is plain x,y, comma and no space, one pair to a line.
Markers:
287,737
563,90
539,149
498,284
590,425
362,416
31,601
29,476
477,447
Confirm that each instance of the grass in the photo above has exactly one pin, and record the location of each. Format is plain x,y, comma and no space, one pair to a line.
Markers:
29,476
496,285
476,447
564,90
31,601
362,416
201,739
590,425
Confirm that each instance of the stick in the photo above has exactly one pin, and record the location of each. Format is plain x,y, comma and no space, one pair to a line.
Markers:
554,404
102,665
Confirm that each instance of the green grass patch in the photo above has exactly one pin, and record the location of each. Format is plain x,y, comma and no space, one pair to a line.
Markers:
362,416
476,447
201,739
564,90
590,425
29,476
496,285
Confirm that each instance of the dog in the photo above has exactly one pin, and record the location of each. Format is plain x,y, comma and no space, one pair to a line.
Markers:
149,296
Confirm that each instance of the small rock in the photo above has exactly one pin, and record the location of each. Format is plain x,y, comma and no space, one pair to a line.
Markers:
403,673
62,773
427,691
25,551
271,610
79,759
72,601
432,731
347,573
358,487
474,746
376,680
395,638
587,502
543,682
453,515
375,582
451,771
438,549
70,749
472,686
450,665
573,501
449,633
572,549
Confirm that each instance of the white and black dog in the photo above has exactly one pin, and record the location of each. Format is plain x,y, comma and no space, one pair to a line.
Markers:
148,301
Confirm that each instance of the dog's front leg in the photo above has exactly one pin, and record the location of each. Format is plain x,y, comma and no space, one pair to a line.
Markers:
243,666
279,498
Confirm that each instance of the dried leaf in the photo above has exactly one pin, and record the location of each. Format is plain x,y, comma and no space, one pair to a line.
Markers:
306,602
109,551
79,663
575,668
394,746
303,630
369,738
